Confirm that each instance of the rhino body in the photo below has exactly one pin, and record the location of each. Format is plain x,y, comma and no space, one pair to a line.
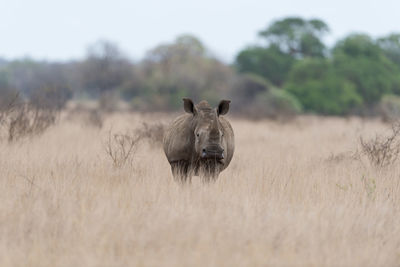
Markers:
200,142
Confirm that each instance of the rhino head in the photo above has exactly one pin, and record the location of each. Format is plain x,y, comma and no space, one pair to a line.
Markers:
208,134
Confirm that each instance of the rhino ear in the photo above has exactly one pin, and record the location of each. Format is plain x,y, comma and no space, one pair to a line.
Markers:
188,105
223,107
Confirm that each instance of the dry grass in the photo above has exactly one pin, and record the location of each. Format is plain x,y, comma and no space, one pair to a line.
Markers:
291,196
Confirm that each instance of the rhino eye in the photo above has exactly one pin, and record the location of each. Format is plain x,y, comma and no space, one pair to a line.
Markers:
197,134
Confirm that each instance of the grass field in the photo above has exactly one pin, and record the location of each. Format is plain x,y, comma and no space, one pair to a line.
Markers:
293,196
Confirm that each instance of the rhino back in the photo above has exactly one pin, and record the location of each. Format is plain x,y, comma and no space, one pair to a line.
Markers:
178,139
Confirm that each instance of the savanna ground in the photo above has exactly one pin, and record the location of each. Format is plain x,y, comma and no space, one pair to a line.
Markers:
294,194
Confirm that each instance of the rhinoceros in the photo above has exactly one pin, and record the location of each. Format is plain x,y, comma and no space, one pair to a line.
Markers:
200,142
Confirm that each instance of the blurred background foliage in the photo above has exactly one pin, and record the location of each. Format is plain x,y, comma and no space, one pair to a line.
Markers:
290,71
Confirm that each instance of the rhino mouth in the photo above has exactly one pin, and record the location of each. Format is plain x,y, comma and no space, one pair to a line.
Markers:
213,152
213,156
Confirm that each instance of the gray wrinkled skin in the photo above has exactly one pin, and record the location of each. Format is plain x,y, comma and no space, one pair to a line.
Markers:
200,142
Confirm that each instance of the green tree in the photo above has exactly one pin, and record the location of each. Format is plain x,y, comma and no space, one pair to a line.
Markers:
297,37
391,47
288,40
270,63
315,84
359,60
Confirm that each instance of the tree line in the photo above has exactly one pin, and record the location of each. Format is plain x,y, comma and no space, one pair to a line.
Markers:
351,77
289,72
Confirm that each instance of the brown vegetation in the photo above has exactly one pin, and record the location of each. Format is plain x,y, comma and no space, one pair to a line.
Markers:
383,150
121,147
280,202
20,118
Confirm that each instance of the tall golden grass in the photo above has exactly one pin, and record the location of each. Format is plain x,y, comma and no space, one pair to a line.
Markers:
293,195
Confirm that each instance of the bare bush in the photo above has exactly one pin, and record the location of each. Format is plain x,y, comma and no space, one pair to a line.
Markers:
121,147
49,97
383,151
29,120
22,119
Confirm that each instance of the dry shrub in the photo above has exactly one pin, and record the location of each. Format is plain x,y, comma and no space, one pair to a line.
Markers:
121,147
29,120
382,151
23,119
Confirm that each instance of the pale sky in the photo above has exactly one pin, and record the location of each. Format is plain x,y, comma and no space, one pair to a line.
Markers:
62,30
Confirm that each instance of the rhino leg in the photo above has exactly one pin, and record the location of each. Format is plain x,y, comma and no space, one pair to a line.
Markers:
181,171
